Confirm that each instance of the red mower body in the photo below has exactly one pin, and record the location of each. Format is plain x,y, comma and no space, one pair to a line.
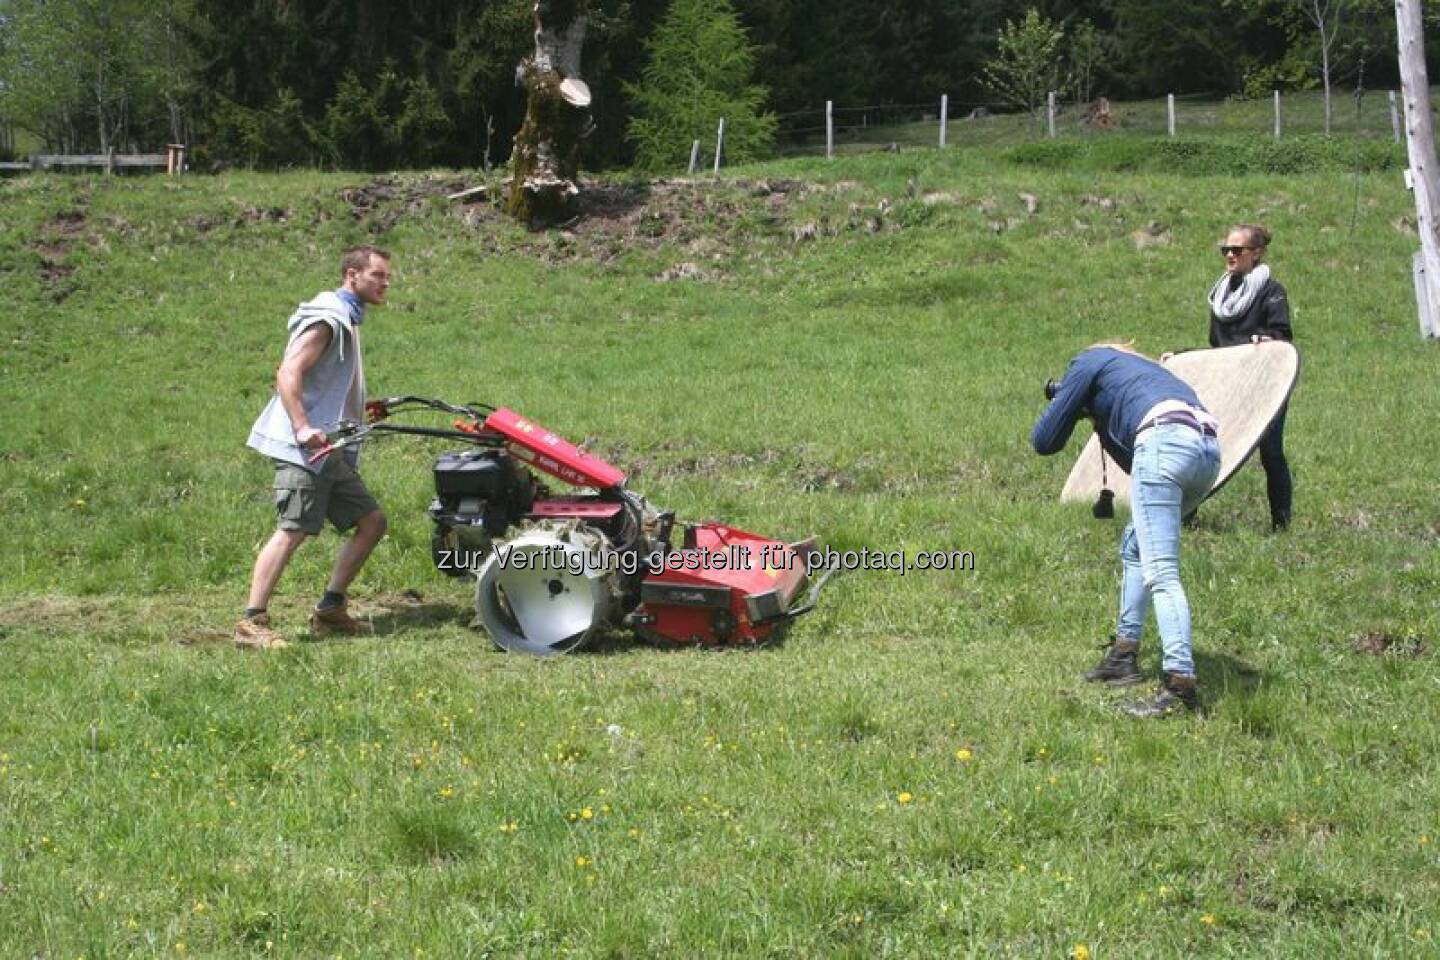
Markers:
724,586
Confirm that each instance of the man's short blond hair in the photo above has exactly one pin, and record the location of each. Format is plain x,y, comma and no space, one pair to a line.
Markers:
357,258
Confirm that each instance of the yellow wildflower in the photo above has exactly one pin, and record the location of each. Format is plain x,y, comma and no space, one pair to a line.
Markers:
1079,952
905,796
963,755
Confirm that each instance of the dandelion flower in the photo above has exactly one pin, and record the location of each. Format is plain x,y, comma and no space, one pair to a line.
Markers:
904,797
1208,919
963,754
583,861
587,814
1079,952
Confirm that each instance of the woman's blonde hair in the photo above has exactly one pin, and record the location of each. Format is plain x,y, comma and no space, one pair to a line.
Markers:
1259,236
1124,346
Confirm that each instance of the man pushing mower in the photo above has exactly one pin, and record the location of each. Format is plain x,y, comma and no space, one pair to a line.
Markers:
320,383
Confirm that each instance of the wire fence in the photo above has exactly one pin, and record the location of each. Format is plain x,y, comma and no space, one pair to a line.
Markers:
1372,114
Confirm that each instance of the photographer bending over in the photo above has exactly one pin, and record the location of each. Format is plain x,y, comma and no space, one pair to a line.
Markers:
1153,425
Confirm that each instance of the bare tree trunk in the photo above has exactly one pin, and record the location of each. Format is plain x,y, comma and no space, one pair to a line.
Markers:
172,99
1320,13
1325,71
100,117
489,136
546,160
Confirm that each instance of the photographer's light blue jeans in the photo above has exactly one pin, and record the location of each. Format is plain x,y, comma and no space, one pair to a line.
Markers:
1172,472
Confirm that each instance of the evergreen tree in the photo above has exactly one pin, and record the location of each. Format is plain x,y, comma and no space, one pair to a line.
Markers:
700,71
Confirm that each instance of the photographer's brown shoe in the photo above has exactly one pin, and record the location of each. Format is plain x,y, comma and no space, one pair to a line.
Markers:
254,633
1119,666
1177,694
337,620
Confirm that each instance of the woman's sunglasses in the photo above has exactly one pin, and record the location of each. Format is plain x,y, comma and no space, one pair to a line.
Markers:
1227,251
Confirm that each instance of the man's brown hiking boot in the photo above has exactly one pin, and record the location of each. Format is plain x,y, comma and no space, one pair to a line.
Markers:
254,633
337,620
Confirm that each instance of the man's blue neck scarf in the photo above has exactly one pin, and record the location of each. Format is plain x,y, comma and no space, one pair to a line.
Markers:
357,307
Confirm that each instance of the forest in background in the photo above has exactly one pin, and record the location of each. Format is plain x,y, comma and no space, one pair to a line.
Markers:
374,85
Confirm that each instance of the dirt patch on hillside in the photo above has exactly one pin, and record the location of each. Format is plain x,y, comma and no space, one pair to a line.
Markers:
383,202
202,223
611,216
1380,644
56,237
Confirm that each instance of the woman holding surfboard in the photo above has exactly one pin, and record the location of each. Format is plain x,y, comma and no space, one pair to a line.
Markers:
1248,305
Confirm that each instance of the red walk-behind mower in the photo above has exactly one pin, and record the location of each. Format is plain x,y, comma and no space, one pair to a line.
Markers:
554,571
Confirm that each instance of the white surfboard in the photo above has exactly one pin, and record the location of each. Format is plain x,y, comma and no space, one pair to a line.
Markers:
1244,387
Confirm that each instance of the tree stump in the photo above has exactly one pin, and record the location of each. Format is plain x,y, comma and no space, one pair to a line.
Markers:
545,164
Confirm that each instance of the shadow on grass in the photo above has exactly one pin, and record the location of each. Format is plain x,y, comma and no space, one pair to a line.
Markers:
1237,691
617,641
407,614
431,835
409,611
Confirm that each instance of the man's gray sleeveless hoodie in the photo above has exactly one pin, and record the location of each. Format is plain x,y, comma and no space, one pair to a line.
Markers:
334,388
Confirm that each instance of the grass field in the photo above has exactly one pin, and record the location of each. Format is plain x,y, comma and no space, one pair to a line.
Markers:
858,353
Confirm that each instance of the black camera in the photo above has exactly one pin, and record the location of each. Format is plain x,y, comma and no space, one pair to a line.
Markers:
1051,388
1104,508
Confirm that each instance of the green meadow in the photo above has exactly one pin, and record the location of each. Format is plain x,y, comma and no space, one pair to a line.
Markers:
854,350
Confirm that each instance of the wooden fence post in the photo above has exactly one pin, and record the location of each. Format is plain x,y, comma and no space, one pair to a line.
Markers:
1420,148
1170,112
1050,114
719,145
944,116
1394,117
110,162
1277,114
829,129
694,157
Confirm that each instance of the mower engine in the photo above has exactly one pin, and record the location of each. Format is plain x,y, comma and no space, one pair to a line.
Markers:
552,571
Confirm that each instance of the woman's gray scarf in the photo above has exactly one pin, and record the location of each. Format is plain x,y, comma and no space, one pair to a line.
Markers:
1227,304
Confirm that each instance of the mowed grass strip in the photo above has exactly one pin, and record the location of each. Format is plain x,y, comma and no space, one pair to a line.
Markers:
853,350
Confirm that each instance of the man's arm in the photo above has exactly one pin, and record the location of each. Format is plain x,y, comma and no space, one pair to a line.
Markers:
302,354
